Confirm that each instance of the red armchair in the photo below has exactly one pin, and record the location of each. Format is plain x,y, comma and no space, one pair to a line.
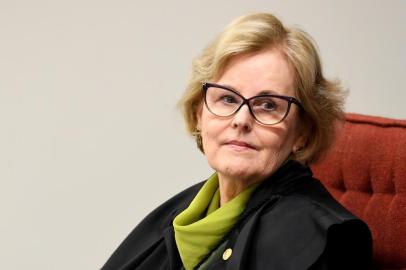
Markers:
366,171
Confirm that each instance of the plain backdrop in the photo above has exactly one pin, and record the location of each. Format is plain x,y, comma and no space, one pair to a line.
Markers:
90,136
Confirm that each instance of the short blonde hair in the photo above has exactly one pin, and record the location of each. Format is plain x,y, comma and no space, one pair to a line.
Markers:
322,99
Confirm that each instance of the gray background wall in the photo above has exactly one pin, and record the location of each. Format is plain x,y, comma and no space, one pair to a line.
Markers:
90,138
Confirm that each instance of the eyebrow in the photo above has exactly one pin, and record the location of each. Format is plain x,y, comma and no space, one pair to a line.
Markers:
267,92
263,92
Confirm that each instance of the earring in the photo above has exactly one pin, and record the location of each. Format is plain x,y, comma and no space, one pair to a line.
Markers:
297,149
199,139
199,142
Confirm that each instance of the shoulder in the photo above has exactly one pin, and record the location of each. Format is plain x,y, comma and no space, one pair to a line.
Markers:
309,201
152,228
310,222
173,205
161,217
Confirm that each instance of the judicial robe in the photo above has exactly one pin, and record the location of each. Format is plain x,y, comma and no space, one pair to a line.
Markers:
291,222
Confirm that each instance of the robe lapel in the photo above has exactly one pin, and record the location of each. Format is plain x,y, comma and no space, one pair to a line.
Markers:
240,240
175,262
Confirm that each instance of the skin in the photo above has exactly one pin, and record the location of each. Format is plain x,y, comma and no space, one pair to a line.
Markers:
240,149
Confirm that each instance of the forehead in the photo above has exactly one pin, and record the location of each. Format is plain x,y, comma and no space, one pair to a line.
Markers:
264,71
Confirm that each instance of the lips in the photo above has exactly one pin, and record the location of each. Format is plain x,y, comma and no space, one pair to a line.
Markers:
240,144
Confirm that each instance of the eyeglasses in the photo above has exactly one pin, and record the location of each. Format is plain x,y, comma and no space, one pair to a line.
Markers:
267,109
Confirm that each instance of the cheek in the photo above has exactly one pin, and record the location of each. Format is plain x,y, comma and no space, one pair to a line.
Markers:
272,152
273,156
210,133
210,137
277,144
211,126
212,150
273,138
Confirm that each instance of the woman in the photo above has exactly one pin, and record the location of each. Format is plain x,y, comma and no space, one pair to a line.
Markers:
260,109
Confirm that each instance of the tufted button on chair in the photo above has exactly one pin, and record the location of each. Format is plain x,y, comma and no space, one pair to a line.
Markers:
366,171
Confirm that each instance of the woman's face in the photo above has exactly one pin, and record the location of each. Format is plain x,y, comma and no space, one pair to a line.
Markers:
238,147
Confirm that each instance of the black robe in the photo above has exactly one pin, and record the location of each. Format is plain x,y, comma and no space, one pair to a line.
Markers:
290,222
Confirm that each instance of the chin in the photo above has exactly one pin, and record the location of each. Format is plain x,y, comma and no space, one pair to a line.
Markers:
242,166
240,171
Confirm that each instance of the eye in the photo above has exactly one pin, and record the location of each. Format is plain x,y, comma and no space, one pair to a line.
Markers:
265,104
269,106
228,99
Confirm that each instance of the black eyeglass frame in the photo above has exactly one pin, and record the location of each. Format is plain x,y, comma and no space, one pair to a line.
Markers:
289,99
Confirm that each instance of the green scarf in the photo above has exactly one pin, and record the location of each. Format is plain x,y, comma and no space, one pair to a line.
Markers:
200,227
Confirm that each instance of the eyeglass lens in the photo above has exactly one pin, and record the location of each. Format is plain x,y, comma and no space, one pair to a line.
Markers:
266,109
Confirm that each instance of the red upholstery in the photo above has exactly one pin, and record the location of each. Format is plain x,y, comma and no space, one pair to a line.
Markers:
366,171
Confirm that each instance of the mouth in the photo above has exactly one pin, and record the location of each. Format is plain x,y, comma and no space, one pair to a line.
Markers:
240,145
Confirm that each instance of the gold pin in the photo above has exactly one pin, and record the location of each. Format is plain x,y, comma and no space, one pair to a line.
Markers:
227,254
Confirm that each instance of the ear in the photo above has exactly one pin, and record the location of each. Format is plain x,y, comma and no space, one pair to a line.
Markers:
302,134
297,147
300,142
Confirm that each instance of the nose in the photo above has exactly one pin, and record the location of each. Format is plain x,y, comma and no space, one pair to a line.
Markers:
243,119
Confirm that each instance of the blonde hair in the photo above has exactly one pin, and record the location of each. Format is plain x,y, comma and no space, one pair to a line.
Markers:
322,99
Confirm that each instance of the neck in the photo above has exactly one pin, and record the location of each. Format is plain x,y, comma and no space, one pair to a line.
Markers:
231,187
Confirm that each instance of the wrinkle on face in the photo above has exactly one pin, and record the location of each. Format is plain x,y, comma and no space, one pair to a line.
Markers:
238,168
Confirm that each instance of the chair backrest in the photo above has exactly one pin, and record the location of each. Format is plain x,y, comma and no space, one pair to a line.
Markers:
365,170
